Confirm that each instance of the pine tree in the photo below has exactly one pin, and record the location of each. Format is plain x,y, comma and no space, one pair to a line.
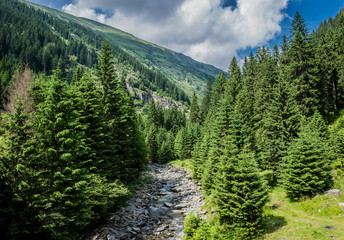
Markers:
302,70
308,169
234,84
129,155
88,103
240,194
195,115
16,171
206,100
328,72
152,144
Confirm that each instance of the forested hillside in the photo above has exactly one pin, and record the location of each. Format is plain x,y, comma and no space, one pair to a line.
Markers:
44,41
267,121
183,71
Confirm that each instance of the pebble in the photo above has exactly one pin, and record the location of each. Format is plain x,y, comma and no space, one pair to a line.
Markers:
157,209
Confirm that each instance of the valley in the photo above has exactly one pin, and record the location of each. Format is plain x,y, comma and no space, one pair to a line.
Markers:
107,136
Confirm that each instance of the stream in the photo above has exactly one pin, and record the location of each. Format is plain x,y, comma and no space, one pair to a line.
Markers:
157,209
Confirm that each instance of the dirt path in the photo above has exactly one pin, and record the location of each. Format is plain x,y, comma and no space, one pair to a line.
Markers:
157,209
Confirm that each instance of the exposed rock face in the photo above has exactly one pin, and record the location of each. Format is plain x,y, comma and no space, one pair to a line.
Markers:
157,209
165,102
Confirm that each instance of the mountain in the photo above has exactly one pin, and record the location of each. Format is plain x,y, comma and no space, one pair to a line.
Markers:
182,70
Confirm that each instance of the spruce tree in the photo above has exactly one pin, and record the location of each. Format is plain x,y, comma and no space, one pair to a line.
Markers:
234,84
129,155
152,144
206,100
195,114
240,194
88,103
308,169
301,69
329,72
16,171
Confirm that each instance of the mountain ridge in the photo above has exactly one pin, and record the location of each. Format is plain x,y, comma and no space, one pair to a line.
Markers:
187,73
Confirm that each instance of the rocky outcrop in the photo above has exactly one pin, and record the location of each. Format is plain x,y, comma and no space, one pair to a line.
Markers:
147,95
157,209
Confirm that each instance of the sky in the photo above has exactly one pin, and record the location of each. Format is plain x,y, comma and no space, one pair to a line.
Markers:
210,31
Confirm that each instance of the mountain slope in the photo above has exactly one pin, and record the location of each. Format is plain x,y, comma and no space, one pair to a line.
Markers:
182,70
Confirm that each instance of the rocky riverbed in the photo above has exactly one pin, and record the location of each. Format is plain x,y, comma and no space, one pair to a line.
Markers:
157,209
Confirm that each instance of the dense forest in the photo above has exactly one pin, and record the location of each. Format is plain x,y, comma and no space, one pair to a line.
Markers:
266,124
73,146
44,41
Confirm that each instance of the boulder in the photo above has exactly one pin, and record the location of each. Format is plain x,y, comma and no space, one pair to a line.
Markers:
341,205
332,192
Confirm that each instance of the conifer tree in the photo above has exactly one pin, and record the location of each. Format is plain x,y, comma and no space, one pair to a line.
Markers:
88,103
225,124
302,70
16,171
152,144
206,100
62,181
328,72
247,95
240,194
218,94
129,155
234,82
165,152
308,169
195,115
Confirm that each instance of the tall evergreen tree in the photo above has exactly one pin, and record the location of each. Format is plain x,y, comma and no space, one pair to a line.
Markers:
328,72
308,169
241,194
195,114
234,82
16,172
129,154
302,70
206,100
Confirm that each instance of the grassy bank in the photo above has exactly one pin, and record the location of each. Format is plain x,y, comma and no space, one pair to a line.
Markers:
315,218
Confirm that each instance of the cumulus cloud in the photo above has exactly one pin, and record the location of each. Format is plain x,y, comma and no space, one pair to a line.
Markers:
203,29
84,12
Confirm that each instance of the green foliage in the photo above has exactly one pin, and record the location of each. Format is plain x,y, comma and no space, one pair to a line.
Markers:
308,169
195,114
62,166
269,177
241,195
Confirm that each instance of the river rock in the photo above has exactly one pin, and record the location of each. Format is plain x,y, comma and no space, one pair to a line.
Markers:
333,192
156,209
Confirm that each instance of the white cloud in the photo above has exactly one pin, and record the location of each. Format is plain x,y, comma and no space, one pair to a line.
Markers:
84,12
201,29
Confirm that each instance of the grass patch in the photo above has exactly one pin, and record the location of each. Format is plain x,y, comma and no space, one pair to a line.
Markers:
186,163
311,218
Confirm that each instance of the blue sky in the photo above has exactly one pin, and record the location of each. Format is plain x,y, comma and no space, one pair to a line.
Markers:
313,11
211,31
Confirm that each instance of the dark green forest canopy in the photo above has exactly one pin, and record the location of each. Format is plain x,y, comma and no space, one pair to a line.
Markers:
44,41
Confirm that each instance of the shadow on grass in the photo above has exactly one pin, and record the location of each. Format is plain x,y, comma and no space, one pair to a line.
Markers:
272,223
